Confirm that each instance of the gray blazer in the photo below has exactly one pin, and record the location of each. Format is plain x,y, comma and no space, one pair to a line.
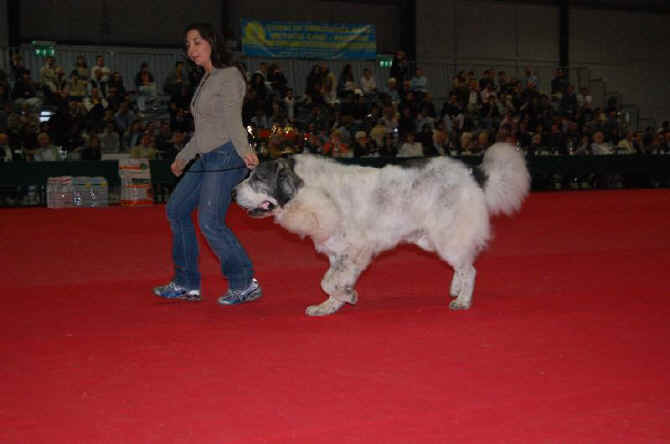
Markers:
217,114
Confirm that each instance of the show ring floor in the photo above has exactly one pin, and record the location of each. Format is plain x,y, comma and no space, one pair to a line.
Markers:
566,342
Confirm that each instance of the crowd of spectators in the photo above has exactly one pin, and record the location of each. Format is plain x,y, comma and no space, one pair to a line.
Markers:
338,115
347,117
85,112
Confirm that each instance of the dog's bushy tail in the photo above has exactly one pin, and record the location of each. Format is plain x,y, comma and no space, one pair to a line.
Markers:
507,178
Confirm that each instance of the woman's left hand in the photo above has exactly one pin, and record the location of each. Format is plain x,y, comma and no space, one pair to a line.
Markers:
251,160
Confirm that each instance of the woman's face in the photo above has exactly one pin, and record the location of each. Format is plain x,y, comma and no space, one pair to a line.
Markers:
197,48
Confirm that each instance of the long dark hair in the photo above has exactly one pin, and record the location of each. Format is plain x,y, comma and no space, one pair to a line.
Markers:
221,57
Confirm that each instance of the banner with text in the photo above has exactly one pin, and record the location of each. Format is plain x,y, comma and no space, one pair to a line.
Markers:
308,40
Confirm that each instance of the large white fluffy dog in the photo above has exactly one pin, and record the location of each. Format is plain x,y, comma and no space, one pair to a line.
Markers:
353,212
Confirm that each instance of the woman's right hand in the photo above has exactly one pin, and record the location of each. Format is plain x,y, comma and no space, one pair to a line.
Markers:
177,167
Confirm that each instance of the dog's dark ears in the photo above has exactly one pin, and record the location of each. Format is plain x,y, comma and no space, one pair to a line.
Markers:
288,182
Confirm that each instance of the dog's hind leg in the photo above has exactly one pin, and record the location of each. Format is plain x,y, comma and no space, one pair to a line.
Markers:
339,281
465,277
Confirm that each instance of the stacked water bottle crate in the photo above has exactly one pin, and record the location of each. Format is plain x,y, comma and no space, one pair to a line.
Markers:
79,191
90,192
59,192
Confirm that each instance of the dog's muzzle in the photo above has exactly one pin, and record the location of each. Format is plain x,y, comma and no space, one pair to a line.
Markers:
264,210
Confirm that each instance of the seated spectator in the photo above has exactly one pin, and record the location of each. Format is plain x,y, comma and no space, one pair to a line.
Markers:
556,140
46,152
318,118
164,138
490,113
536,147
91,150
95,105
135,133
389,147
170,150
48,77
328,84
314,82
473,98
425,138
100,66
260,120
257,83
392,90
262,71
466,143
335,147
390,120
656,145
78,87
625,145
428,106
530,80
4,96
144,81
124,117
278,116
364,147
24,91
666,140
146,87
289,105
559,83
368,83
176,80
346,81
638,143
482,143
452,113
145,149
6,153
419,83
410,148
82,68
182,121
277,80
599,146
116,81
406,123
114,99
97,81
441,142
423,120
377,133
110,142
17,67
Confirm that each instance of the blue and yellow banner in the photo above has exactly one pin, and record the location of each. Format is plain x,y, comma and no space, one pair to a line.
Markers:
308,40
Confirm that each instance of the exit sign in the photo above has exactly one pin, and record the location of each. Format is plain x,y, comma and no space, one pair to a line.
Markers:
44,48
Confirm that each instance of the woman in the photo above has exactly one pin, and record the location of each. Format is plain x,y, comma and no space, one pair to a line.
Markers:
82,67
91,151
224,157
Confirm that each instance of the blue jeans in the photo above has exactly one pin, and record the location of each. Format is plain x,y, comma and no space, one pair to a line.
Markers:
208,185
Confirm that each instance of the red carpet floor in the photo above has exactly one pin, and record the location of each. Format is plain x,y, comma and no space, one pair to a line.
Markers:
567,341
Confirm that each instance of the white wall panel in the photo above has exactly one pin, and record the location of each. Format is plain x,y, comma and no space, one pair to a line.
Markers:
537,32
4,24
486,30
627,50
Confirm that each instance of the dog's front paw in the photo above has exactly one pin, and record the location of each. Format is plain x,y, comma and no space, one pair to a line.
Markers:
456,305
329,306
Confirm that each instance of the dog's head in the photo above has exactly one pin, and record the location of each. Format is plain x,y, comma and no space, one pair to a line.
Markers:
270,186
